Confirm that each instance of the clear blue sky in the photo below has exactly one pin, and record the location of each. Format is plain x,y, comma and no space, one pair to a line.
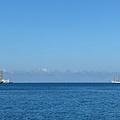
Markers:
80,35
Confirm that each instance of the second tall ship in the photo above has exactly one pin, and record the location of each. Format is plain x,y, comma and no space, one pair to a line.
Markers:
115,81
2,80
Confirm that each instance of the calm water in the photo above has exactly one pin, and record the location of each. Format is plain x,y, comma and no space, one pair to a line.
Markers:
83,101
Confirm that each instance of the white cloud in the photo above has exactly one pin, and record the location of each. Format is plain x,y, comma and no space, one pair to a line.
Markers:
41,70
69,71
4,70
44,70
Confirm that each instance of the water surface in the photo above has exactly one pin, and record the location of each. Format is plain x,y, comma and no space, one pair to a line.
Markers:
60,101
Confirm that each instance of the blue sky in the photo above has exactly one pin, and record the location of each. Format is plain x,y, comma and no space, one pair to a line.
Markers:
80,35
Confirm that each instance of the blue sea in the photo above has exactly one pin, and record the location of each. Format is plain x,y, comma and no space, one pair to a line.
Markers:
60,101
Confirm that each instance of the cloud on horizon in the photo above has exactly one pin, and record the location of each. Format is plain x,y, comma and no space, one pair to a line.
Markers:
4,70
42,75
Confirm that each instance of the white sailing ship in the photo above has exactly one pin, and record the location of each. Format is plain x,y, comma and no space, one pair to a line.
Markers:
2,80
115,81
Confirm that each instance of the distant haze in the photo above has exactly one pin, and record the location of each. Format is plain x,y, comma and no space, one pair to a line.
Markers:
58,76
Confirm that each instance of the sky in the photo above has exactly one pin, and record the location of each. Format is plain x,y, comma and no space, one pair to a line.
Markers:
50,35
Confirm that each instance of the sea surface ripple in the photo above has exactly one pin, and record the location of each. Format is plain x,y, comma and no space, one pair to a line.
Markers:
60,101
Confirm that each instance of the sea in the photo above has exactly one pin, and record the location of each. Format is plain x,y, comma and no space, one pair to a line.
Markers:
60,101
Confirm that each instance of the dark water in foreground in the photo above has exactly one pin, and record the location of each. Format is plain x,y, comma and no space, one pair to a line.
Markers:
66,101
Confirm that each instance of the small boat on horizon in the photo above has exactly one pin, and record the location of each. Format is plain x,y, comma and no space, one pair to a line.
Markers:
2,80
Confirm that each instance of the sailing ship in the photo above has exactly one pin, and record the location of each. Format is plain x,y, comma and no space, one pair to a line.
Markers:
115,81
2,80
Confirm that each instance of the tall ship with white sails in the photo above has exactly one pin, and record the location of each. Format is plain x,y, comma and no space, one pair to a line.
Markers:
2,80
116,81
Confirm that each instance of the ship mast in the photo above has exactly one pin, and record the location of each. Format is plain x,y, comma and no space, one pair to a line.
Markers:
114,78
0,75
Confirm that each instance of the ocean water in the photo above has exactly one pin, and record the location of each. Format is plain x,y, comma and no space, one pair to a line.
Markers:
60,101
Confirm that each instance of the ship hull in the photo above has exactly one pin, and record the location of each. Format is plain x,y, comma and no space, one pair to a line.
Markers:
115,81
